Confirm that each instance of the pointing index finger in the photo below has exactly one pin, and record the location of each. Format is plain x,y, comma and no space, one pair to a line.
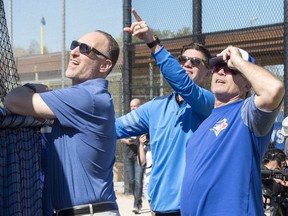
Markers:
137,17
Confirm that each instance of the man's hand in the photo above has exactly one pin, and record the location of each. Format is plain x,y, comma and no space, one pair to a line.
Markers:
128,141
41,88
140,29
143,139
282,182
230,55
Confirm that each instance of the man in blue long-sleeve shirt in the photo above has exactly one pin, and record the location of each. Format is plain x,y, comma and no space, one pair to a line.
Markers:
170,120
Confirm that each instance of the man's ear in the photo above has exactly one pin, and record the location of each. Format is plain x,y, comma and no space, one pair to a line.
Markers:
106,66
208,73
248,87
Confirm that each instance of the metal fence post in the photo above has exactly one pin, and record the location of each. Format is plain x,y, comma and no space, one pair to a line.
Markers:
286,56
127,57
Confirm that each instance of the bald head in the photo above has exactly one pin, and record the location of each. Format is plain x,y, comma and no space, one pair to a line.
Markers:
135,103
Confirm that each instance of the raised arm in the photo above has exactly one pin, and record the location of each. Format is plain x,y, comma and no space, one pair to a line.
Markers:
268,88
173,72
141,30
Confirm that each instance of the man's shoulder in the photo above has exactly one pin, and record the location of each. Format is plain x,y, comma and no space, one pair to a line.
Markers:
158,102
164,97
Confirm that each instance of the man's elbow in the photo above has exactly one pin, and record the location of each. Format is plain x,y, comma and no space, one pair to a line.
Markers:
279,92
13,108
9,104
277,95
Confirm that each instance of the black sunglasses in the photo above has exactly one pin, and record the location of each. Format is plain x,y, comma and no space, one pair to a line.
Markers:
226,69
86,49
193,60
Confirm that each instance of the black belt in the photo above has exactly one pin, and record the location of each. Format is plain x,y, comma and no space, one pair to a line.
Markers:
169,214
86,209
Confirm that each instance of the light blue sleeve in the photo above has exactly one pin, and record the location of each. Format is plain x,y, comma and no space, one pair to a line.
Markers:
260,122
134,123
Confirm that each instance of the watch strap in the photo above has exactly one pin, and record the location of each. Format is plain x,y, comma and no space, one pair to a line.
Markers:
30,86
154,43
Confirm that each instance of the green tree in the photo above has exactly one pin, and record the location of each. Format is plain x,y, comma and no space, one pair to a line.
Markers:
33,49
162,34
19,52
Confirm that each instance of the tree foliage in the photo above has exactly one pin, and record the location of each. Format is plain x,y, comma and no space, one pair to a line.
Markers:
162,34
33,49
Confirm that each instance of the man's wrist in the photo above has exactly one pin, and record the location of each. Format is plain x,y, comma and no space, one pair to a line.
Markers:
154,43
30,86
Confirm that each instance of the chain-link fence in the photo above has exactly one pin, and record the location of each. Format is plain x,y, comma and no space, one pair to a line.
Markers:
257,26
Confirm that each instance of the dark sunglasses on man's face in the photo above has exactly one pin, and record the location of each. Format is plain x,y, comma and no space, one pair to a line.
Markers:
85,49
226,69
193,60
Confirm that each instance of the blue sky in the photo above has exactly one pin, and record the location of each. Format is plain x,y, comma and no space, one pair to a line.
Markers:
89,15
218,15
81,17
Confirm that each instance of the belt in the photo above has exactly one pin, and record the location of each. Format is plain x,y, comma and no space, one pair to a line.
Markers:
88,209
169,214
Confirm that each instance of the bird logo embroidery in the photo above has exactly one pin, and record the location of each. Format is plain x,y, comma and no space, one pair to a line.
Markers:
219,126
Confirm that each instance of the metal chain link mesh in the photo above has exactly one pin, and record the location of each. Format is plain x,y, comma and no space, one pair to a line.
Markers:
256,26
20,148
9,76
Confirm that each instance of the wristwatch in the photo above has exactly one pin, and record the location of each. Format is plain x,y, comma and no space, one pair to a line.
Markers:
154,43
30,86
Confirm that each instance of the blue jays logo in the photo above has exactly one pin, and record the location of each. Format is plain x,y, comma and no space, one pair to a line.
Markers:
219,126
